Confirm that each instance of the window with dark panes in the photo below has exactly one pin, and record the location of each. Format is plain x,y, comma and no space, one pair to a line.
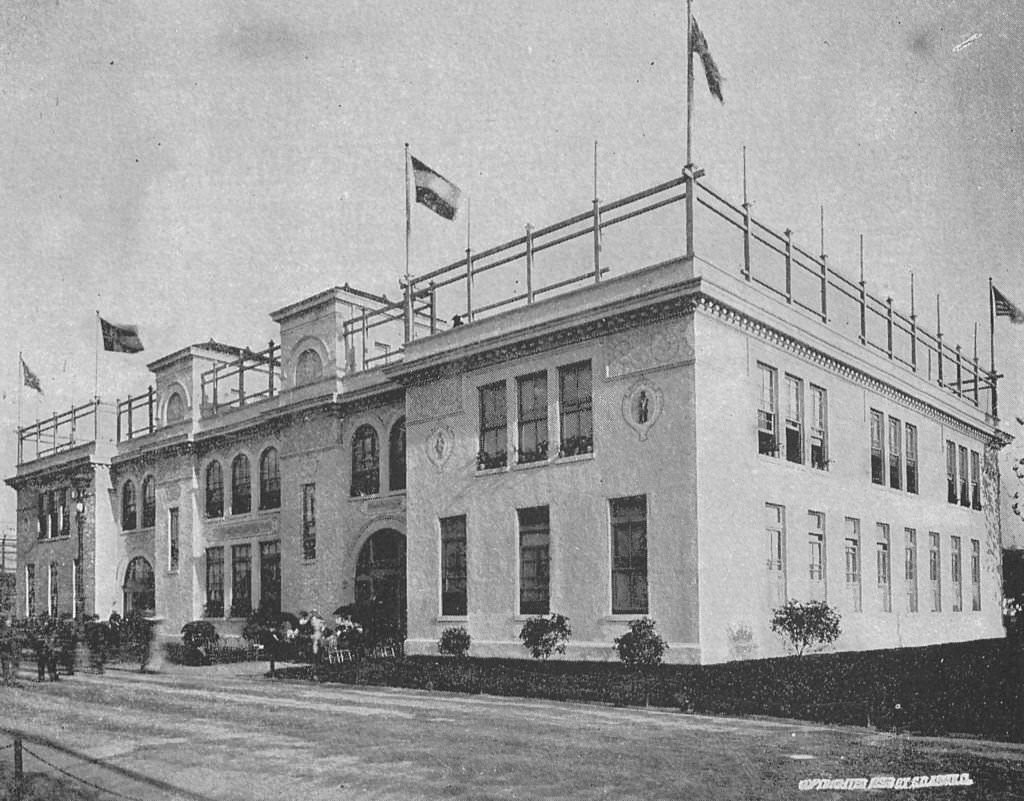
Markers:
43,515
767,412
63,512
270,577
816,555
975,480
241,580
852,554
794,420
951,494
533,417
935,570
214,582
819,428
309,521
884,567
30,590
965,495
877,447
975,576
575,396
956,572
534,560
895,453
173,539
128,506
910,567
365,462
241,485
270,480
910,448
214,490
148,502
775,540
629,555
493,427
54,586
454,600
396,456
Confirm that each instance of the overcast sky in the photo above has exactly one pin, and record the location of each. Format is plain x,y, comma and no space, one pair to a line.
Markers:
192,166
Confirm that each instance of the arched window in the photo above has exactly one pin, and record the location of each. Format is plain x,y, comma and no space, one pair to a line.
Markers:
270,480
214,490
308,367
365,462
128,506
175,408
148,502
396,456
139,587
241,485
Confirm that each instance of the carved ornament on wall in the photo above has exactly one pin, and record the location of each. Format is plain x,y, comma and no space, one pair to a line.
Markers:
642,406
439,446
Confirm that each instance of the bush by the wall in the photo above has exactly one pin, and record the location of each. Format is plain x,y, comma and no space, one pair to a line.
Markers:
545,635
454,642
641,646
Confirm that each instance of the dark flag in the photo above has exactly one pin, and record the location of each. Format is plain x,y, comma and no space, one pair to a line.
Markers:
1006,308
699,45
120,338
30,378
435,191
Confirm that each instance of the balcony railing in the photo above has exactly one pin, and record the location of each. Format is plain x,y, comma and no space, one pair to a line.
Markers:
251,378
136,416
61,432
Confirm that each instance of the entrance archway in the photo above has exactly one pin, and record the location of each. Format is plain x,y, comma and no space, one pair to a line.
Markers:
139,587
380,585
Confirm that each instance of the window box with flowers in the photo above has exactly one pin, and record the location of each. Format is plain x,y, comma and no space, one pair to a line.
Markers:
577,446
491,461
536,454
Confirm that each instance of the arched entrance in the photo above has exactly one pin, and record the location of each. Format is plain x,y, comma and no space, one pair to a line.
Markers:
139,587
380,585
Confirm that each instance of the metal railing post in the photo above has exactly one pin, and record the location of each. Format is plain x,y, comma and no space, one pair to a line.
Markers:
789,265
433,307
746,240
469,285
824,288
270,372
597,240
888,326
913,342
938,339
117,415
365,331
863,312
529,263
151,402
214,382
959,373
241,381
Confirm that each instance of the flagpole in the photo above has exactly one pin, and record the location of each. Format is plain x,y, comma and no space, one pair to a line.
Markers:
689,82
96,372
991,326
21,384
408,237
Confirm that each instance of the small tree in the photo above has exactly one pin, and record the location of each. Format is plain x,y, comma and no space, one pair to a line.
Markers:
641,646
806,626
454,642
545,635
198,636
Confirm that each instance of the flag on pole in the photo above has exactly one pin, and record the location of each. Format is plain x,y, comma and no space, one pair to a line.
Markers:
699,45
30,378
120,338
435,191
1006,308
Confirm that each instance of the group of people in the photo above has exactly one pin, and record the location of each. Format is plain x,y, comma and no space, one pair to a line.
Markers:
310,637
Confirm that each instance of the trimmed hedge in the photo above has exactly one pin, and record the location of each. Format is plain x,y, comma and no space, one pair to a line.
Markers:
971,688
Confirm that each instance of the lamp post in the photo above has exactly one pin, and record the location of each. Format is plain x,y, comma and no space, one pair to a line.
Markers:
79,495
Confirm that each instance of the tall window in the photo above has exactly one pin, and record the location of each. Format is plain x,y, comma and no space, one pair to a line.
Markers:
270,576
128,506
139,588
975,575
365,462
214,582
173,542
975,480
883,562
53,519
241,485
794,420
951,495
54,586
175,411
775,552
63,518
533,417
895,454
956,571
910,445
934,570
877,447
30,590
816,555
309,521
453,566
577,418
534,560
965,496
214,490
396,456
767,412
629,555
148,502
493,427
270,480
43,501
819,428
910,567
241,580
852,553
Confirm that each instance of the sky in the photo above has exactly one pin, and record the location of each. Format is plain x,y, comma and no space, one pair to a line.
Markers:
192,166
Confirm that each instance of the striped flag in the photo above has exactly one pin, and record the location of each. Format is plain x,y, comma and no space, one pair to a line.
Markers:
1006,308
30,378
435,191
120,338
699,45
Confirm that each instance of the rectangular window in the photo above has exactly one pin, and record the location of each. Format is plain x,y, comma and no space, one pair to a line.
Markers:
935,570
951,472
577,418
453,566
214,582
816,555
910,444
975,576
629,555
54,587
309,521
794,420
910,567
64,519
882,560
493,427
270,576
852,553
877,447
534,561
965,495
767,412
775,551
173,553
975,480
533,417
956,572
895,454
819,428
241,580
30,590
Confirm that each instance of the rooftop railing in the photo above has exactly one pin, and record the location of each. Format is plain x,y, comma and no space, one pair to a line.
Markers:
61,432
251,378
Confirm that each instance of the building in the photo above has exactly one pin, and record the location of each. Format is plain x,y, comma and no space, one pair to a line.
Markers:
695,439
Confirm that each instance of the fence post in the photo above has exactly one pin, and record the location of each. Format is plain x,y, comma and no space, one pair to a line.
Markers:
746,240
529,263
117,414
409,333
241,380
959,373
913,341
270,372
863,312
824,288
131,426
789,266
888,326
433,307
151,400
977,380
74,424
214,382
365,332
597,239
469,285
938,339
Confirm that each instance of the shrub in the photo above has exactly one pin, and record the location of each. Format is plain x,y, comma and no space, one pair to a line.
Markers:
545,635
198,636
454,642
641,646
806,626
